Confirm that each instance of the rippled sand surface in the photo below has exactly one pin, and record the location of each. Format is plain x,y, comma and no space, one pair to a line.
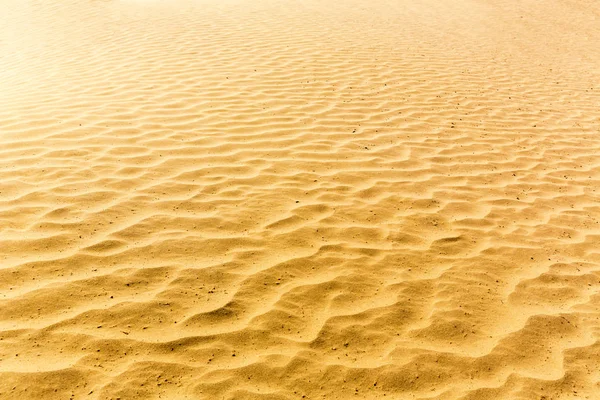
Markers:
299,199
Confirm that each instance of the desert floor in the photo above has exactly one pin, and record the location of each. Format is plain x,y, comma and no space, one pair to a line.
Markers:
299,199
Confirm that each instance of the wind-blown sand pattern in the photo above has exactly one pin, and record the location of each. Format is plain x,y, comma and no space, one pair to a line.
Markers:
316,199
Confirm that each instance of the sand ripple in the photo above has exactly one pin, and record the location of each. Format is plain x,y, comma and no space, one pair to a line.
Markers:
313,199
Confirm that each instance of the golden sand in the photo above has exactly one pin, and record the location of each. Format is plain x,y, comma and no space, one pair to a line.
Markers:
288,199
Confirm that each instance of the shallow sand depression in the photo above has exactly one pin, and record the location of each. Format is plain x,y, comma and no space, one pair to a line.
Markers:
299,199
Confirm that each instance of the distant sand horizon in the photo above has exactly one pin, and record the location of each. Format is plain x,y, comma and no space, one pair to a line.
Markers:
280,200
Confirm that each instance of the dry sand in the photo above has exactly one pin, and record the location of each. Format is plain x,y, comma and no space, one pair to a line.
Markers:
289,199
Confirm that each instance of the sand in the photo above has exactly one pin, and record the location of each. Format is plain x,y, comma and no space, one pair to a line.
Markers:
303,199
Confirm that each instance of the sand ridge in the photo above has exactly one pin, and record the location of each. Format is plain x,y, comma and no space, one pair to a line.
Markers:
308,199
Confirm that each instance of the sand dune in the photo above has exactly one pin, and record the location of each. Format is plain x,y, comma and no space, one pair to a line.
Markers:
305,199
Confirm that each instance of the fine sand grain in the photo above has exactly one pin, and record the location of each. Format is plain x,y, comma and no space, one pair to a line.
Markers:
299,199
